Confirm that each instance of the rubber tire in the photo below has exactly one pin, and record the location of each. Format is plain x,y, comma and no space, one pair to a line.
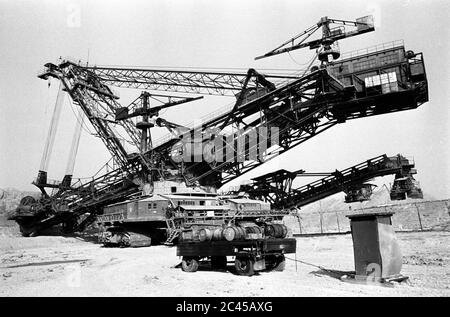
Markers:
27,231
277,263
189,264
125,241
219,262
281,264
244,266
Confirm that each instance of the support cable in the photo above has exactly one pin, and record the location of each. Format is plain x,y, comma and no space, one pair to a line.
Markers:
75,143
48,147
319,267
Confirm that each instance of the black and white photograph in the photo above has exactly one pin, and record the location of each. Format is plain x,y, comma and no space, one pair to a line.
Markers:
223,155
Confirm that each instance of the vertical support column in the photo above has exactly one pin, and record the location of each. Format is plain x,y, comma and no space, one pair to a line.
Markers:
299,220
145,144
418,215
321,222
337,220
48,147
145,138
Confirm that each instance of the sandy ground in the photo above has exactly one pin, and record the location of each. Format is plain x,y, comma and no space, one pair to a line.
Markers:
62,266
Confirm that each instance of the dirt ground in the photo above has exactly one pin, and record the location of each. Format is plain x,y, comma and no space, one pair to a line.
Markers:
71,266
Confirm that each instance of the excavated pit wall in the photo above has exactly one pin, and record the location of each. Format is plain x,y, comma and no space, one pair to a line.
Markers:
420,216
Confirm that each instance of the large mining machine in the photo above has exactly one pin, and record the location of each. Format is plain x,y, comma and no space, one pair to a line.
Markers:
172,183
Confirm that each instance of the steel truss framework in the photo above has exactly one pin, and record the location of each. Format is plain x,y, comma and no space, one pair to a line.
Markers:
197,82
301,107
281,195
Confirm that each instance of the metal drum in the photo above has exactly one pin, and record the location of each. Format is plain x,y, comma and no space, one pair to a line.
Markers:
285,231
205,234
253,232
276,230
233,233
217,234
187,235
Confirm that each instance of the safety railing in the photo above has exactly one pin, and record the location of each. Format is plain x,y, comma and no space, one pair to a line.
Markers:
372,49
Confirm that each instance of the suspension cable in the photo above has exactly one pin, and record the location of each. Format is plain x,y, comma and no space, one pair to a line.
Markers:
49,142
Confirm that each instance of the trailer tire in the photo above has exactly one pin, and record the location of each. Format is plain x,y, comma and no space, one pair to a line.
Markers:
189,264
275,263
280,264
244,266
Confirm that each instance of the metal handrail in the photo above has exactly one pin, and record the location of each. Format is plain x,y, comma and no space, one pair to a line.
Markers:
372,49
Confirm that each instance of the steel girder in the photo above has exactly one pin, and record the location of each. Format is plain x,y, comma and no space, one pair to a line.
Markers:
98,104
183,81
336,182
290,108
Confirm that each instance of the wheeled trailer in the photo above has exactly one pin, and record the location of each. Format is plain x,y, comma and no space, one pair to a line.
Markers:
250,255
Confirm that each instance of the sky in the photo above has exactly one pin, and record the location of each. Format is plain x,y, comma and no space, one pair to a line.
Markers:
223,34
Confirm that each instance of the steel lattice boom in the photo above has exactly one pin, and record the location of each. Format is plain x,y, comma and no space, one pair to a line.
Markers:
386,80
198,82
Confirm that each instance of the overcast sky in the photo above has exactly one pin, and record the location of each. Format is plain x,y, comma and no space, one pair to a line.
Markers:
213,34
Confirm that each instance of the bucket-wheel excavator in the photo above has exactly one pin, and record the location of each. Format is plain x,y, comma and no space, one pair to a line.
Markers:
172,183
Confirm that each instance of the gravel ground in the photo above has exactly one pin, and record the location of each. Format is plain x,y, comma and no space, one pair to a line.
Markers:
68,266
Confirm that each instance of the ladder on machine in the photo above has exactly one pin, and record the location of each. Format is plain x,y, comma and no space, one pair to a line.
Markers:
173,231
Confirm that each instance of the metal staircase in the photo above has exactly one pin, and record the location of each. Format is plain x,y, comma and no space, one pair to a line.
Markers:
173,231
